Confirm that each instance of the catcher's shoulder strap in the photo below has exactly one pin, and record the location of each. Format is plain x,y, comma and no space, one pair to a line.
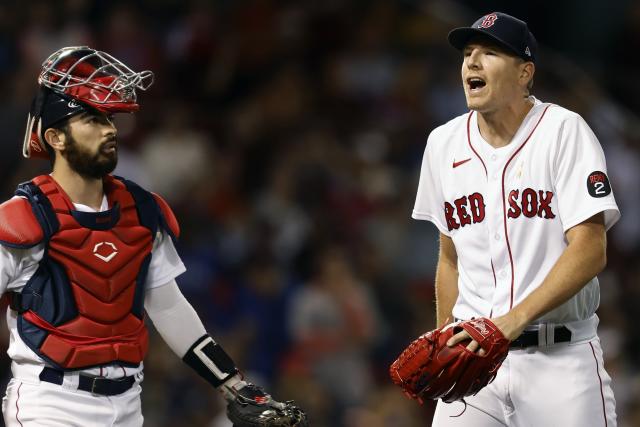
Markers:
168,218
153,210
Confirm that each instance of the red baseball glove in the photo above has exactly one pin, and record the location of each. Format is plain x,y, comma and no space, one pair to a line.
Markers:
429,369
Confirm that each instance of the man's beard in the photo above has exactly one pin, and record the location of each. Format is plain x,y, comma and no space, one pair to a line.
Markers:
89,165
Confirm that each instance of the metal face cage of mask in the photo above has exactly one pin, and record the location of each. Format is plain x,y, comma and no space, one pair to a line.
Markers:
91,77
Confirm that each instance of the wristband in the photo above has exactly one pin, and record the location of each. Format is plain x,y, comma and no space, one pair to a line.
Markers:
210,361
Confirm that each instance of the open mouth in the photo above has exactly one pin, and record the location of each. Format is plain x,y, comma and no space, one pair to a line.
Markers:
476,83
109,146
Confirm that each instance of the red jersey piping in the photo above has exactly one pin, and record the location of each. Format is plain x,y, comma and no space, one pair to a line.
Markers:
604,411
504,207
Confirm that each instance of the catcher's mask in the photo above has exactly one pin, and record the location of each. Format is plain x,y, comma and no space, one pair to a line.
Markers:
75,80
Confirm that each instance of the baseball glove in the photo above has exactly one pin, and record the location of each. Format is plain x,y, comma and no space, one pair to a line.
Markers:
252,407
429,369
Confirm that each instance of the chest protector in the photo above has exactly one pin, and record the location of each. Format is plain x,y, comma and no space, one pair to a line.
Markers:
83,307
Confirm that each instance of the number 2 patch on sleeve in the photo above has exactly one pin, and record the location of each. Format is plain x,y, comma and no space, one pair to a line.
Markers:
598,184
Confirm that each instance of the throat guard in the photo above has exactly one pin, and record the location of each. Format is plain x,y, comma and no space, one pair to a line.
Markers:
83,306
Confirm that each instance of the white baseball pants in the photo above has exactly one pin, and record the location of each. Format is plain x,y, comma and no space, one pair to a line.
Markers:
42,404
563,385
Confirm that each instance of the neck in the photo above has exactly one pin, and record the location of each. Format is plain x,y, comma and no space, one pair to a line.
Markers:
499,126
83,190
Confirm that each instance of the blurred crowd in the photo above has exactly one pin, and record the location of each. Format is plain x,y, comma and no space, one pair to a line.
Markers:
288,136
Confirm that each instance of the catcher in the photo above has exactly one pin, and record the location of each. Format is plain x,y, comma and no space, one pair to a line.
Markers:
85,256
519,192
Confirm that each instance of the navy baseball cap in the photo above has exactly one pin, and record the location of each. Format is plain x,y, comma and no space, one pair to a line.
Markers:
505,30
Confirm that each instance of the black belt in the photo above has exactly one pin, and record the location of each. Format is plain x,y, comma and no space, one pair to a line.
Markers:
95,385
530,338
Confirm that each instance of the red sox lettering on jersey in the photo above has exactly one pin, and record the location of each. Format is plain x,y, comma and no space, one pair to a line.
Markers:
464,211
507,209
532,203
470,209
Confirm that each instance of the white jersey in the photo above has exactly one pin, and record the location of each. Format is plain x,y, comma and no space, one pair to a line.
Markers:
507,209
18,265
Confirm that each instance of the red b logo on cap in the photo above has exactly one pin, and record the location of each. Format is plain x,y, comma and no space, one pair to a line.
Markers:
489,20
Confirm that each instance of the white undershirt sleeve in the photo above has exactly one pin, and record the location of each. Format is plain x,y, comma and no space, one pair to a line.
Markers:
173,317
8,265
165,264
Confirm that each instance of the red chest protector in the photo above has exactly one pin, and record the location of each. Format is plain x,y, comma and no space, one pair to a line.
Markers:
84,305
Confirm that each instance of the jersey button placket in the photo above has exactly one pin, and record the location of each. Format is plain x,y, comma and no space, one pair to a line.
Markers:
496,231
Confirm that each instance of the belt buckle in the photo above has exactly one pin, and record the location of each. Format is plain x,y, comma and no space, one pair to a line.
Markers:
94,381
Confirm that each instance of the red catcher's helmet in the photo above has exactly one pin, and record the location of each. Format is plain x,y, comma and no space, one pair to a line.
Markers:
86,78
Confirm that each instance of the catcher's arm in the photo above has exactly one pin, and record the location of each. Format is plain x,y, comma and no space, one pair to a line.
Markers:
583,258
446,281
181,328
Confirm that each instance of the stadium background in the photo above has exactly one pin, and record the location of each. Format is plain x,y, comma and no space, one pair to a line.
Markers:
288,137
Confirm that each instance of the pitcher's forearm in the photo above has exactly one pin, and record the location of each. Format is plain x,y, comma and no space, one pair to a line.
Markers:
446,281
446,294
582,260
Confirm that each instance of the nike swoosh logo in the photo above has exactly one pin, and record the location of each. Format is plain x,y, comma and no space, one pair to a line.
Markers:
461,162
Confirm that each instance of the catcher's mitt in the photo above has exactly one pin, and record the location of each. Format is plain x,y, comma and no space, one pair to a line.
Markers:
429,369
252,407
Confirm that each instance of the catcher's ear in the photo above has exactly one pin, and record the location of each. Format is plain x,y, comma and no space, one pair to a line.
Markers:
54,138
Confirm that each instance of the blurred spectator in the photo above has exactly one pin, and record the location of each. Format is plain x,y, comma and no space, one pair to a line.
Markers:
176,156
334,322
